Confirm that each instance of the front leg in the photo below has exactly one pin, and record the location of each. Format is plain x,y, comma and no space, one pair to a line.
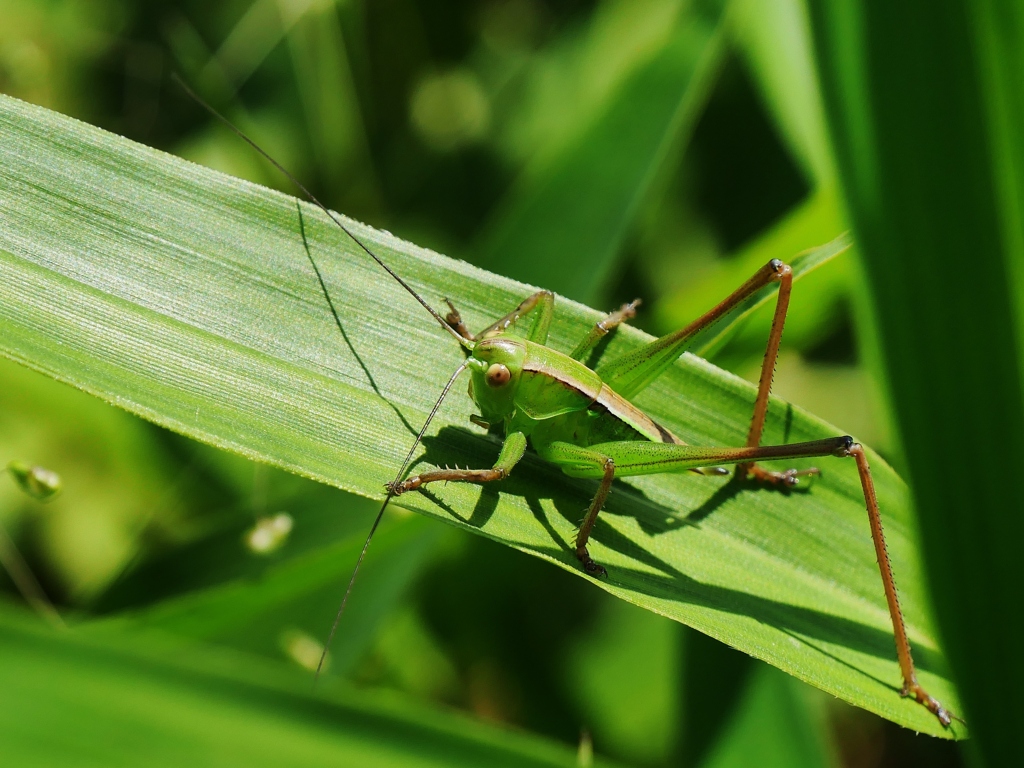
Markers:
512,451
541,302
454,319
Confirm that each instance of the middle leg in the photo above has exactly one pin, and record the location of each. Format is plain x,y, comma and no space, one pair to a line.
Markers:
583,535
603,327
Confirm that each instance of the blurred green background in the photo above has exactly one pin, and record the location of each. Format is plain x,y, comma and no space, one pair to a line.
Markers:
606,150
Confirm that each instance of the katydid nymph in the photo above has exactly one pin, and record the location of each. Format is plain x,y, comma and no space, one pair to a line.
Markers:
583,421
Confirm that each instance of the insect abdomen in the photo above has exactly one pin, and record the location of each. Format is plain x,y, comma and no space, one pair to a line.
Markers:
612,407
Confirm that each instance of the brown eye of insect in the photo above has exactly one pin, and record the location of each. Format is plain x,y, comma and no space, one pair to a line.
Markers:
498,375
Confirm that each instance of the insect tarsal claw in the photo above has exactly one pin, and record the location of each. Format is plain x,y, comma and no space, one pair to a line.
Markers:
846,447
590,567
398,487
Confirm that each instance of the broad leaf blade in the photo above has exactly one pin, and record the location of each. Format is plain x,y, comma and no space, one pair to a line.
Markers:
187,297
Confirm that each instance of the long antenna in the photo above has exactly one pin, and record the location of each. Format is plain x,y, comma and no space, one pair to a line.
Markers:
380,514
313,199
443,323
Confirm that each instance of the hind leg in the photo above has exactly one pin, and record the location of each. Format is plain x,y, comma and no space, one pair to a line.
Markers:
629,458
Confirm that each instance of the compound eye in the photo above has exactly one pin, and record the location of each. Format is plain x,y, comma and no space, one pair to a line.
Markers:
497,375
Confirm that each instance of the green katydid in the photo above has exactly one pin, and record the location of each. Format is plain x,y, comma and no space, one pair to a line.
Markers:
582,420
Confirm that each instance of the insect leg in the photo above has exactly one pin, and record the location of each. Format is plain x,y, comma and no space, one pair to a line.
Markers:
789,477
604,327
632,372
454,319
582,553
511,452
629,457
911,687
569,456
544,301
640,458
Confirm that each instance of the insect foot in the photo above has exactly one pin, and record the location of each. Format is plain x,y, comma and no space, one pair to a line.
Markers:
628,311
398,488
454,319
919,694
788,479
594,569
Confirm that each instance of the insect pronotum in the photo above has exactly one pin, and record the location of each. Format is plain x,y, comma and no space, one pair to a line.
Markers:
582,420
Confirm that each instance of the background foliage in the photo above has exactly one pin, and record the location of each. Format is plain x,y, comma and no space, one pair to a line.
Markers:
605,150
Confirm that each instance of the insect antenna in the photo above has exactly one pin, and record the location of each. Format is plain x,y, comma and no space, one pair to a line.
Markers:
387,500
443,323
313,199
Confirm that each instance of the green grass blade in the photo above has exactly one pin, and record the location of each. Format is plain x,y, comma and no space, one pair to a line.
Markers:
321,516
563,225
145,700
777,725
717,336
933,174
817,297
301,593
624,671
187,297
776,42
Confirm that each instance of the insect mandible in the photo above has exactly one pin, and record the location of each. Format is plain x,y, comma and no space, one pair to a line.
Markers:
582,420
